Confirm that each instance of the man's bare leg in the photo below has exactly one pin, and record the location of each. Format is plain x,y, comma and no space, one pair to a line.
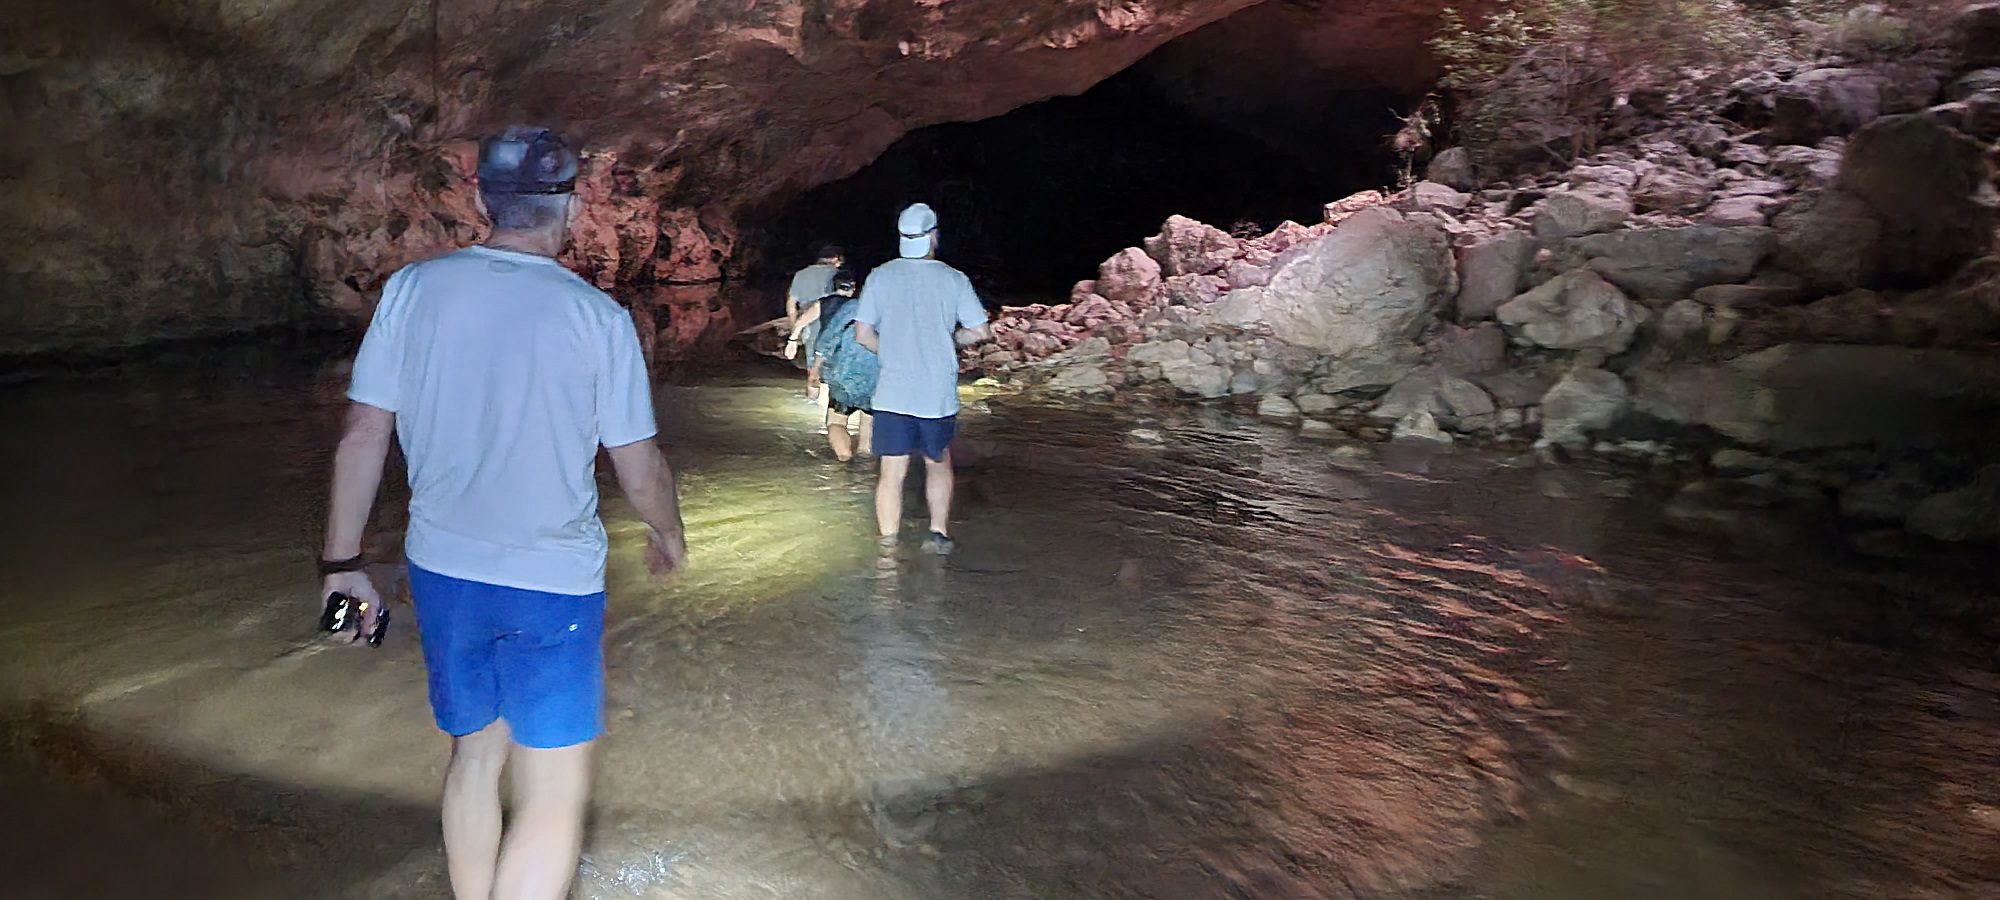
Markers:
889,495
938,483
551,790
866,425
472,810
837,436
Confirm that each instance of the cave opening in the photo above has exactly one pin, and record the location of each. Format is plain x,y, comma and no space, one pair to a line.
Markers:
1032,200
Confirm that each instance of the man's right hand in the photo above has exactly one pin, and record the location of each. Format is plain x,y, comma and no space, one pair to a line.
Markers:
367,603
665,554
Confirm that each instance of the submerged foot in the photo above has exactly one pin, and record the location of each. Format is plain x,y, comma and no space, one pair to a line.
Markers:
939,544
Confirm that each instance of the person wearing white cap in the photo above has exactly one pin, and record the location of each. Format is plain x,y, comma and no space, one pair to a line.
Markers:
914,312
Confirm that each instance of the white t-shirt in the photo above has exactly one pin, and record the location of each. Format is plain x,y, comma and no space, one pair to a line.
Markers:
506,372
914,305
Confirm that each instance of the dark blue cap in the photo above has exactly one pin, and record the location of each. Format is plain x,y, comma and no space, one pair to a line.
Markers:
525,160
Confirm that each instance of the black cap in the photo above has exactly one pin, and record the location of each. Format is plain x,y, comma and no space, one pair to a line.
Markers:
526,160
831,251
845,281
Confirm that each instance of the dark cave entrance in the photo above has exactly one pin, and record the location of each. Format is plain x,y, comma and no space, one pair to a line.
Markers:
1031,201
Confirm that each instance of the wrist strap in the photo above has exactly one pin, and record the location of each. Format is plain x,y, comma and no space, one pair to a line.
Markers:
337,566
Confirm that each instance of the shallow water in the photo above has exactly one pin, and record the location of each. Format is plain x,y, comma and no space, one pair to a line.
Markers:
1179,655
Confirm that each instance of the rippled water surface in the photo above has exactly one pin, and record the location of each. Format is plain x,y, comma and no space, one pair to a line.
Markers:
1179,655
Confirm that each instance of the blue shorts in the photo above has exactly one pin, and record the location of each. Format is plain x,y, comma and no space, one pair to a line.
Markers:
900,435
535,659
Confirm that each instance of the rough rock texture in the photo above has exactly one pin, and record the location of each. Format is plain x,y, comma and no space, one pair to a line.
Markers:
1670,263
192,161
1359,294
1583,401
1578,311
1490,273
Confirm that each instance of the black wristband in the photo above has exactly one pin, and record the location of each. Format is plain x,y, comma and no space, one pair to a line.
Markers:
337,566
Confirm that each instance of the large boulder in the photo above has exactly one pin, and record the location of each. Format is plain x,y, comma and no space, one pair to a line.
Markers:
1477,350
1490,273
1130,277
1670,263
1829,238
1930,187
1575,311
1670,191
1805,396
1187,247
1453,168
1359,294
1581,402
1823,102
1582,210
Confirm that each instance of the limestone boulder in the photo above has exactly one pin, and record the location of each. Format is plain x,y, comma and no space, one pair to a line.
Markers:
1930,187
1670,263
1670,191
1822,102
1490,273
1582,210
1578,310
1360,294
1829,238
1745,211
1130,277
1453,168
1465,352
1187,247
1429,196
1582,402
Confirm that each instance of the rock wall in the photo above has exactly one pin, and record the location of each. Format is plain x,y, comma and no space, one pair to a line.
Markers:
1796,269
208,166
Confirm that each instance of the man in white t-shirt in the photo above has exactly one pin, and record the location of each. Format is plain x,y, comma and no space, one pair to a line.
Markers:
502,373
914,312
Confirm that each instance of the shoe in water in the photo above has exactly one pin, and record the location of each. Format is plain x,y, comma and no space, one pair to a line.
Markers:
939,544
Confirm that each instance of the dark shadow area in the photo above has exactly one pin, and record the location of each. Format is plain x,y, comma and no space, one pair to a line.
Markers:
1033,200
115,819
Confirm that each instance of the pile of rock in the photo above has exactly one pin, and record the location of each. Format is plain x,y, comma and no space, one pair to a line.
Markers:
1714,273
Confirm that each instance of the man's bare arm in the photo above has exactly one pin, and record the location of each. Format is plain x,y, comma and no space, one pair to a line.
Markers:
864,334
648,482
357,474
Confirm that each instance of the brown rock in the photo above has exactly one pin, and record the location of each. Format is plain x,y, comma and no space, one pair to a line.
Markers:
1129,277
1187,247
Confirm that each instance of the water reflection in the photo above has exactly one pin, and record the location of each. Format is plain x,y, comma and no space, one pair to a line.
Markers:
1178,655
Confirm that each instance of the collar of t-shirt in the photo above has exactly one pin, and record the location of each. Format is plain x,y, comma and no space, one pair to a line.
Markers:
512,255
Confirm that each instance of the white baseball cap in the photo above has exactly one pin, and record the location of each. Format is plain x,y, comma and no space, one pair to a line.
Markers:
917,227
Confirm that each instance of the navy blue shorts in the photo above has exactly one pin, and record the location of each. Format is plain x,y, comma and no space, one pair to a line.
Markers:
900,435
533,658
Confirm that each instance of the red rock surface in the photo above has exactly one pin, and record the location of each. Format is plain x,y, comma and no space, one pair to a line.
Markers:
177,168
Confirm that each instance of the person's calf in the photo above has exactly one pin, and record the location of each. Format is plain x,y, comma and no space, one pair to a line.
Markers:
471,816
939,479
545,834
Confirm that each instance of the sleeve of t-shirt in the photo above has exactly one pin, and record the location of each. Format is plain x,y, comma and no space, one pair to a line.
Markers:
869,312
971,313
378,367
624,392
